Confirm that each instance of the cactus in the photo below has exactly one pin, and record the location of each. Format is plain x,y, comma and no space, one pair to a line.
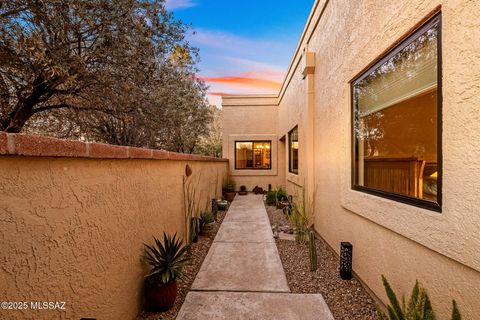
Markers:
455,312
312,250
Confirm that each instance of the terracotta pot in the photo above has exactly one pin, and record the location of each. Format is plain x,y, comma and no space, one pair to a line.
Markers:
161,298
229,196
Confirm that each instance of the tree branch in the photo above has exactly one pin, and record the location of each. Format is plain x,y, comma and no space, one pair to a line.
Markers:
52,107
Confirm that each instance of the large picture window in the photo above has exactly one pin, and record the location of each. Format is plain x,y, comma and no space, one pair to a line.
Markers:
396,122
253,155
293,150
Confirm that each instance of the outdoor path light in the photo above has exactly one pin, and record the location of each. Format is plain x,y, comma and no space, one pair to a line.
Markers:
346,253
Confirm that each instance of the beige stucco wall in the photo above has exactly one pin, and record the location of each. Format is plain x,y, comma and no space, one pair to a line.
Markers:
73,229
292,112
253,118
401,241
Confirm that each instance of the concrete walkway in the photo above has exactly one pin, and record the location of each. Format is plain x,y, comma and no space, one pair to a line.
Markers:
242,276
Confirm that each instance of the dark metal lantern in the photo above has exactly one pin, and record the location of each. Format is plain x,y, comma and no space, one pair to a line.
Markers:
346,254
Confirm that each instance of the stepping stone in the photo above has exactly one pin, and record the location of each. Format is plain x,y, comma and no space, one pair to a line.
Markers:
245,266
238,231
247,215
253,306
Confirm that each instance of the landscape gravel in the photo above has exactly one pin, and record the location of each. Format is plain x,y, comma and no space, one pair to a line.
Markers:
347,299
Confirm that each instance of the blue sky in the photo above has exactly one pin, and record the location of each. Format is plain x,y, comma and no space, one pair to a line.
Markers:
245,45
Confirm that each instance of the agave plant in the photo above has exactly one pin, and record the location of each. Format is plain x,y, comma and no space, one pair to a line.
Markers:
207,217
167,260
418,307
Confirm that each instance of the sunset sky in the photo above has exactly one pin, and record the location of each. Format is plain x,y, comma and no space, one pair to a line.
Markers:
245,45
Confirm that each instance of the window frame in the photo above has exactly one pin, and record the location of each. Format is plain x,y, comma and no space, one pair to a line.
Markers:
289,152
253,155
400,45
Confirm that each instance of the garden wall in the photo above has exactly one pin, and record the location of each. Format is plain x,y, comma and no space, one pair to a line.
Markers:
74,217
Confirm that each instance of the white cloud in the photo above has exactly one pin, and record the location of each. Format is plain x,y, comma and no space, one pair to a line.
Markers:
228,42
225,52
215,100
179,4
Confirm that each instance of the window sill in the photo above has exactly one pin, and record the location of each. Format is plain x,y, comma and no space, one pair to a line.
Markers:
295,179
424,204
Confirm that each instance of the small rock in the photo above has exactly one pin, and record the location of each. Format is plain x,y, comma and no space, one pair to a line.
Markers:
286,236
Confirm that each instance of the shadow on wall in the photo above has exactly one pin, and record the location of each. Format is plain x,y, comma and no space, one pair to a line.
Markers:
74,228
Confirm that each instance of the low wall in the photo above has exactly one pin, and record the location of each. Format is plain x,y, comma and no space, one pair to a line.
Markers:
74,217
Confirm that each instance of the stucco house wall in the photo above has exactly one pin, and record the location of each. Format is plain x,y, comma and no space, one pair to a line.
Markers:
401,241
292,111
74,218
253,118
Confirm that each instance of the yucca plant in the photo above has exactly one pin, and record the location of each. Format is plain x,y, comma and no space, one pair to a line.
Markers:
302,212
419,306
190,204
312,251
167,260
195,229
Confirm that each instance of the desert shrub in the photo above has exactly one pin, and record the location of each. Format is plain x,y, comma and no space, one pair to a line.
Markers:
273,196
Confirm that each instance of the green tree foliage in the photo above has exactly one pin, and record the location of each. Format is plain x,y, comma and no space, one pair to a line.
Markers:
211,144
119,72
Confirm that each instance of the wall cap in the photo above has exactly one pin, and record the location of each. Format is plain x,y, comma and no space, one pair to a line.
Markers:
17,144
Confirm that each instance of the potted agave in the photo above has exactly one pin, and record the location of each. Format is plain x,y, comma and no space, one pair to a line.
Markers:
229,190
167,261
207,221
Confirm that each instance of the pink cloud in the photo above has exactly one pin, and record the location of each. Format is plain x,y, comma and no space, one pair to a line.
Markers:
245,80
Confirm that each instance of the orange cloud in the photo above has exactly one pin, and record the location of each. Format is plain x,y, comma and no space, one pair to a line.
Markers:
275,75
219,94
244,81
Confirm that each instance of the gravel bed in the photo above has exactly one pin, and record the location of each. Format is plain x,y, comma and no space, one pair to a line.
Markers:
347,299
198,253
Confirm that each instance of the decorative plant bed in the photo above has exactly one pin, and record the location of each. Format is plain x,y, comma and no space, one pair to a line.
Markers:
347,300
197,254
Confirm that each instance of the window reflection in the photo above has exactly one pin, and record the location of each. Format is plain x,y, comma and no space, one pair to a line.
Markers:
293,150
396,121
253,155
